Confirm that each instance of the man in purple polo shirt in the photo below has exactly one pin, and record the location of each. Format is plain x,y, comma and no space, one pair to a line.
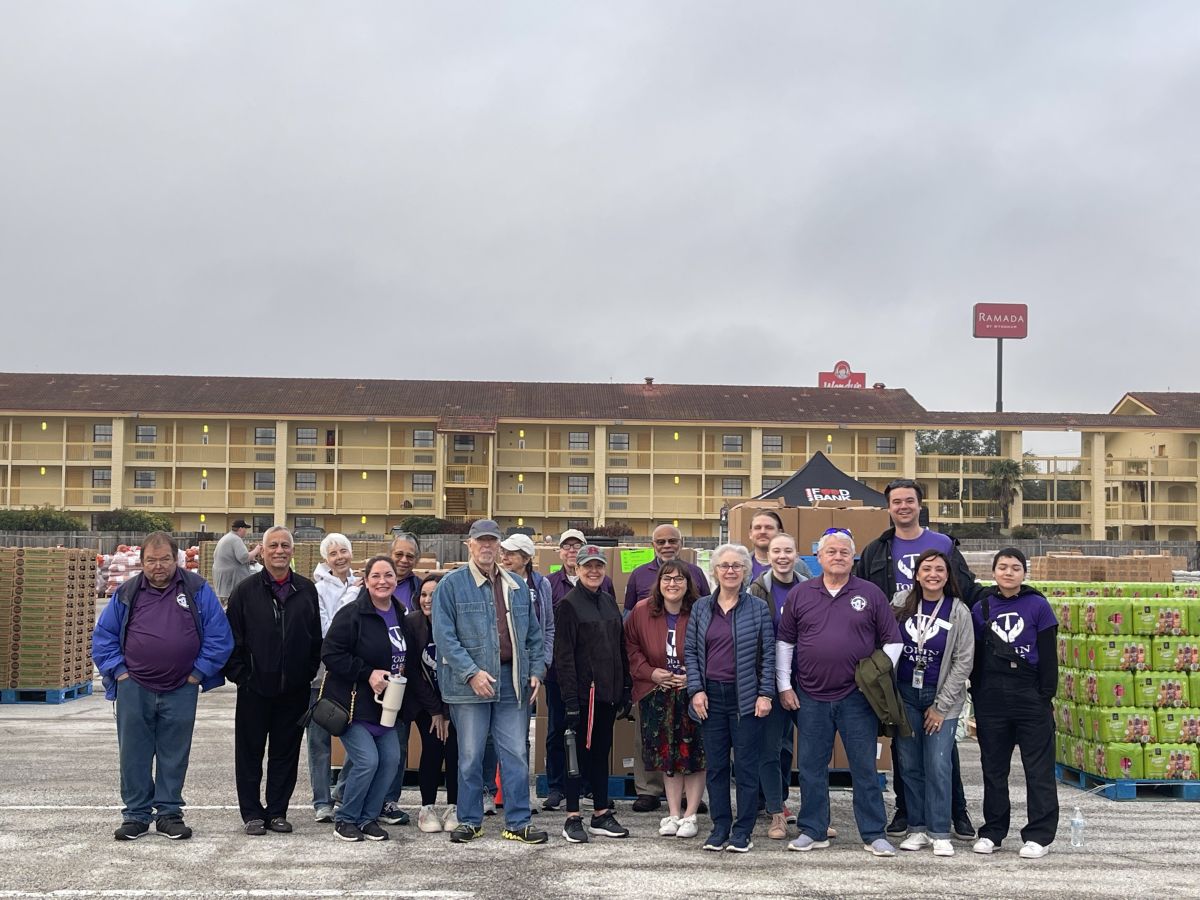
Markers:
830,623
668,541
161,640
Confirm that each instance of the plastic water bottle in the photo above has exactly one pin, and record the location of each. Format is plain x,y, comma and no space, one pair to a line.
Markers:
1077,826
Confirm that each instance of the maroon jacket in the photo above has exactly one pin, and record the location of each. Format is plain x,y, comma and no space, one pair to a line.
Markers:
646,645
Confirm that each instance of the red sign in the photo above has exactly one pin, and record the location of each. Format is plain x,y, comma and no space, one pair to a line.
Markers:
1001,320
842,377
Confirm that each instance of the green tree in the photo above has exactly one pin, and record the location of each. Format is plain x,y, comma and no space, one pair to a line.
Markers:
136,520
958,443
41,518
1004,484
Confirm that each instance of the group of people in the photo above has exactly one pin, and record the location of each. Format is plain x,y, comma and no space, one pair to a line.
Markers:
717,678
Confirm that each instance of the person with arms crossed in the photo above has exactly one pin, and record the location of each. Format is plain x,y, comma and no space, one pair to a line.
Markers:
232,561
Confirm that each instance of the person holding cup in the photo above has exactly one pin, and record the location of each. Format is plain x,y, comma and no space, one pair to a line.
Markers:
365,655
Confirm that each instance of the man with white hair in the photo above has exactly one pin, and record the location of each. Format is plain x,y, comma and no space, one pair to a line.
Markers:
828,626
276,624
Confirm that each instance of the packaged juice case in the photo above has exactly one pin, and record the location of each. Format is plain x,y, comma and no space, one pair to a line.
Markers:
1133,725
1110,688
1064,716
1082,726
1120,760
1160,616
1178,726
1170,762
1106,616
1079,754
1063,642
1103,653
1068,678
1176,654
1065,611
1161,689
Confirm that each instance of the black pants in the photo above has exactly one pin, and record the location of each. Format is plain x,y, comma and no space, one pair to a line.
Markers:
259,722
593,762
1012,715
958,797
433,754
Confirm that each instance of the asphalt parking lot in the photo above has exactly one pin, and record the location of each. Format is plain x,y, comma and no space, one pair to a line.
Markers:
59,803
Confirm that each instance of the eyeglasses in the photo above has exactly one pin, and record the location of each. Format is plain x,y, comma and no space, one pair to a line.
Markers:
571,545
673,579
147,562
400,554
664,541
845,531
730,567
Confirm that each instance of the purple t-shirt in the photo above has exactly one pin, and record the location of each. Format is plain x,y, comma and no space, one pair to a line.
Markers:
674,657
396,636
779,595
161,640
832,634
719,646
905,553
1016,621
405,593
642,579
935,642
757,568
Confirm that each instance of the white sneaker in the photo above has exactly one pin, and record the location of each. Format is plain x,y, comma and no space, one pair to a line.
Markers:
942,847
984,845
668,827
687,827
916,840
489,804
1033,850
450,818
428,821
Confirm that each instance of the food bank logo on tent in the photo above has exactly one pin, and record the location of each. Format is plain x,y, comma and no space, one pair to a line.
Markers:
815,494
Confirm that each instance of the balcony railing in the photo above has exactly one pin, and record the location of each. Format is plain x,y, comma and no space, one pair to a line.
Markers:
629,459
1153,467
1055,466
571,459
945,466
1158,512
1056,511
467,476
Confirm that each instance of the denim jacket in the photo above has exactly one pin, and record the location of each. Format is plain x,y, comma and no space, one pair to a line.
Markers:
467,639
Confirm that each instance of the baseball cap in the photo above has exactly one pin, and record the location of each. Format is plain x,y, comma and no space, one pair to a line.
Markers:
571,533
240,523
520,542
589,552
484,528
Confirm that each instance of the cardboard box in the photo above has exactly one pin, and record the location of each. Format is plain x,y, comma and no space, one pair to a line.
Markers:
337,753
627,744
742,514
865,523
883,754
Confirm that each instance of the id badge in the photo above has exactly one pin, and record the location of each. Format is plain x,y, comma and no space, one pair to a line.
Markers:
918,679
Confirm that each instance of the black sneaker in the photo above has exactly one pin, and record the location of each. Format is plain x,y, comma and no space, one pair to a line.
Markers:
347,831
131,830
526,835
255,827
702,809
173,828
608,826
392,814
716,841
646,803
372,832
898,827
465,833
280,824
553,800
574,832
963,828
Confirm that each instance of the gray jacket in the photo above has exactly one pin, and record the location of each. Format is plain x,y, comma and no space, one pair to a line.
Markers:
957,662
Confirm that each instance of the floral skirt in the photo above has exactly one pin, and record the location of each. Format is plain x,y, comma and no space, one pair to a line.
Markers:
670,737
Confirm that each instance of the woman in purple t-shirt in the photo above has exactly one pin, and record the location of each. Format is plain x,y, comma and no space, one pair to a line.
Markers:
1013,682
935,663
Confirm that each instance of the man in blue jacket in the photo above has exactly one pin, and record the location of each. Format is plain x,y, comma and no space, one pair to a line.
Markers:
161,640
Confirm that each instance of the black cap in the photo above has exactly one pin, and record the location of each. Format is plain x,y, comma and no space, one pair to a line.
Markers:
240,523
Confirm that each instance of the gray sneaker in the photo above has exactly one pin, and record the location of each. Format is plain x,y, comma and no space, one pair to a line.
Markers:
323,814
880,847
804,843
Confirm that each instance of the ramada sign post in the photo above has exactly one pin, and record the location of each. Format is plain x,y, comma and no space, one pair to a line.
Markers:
1000,321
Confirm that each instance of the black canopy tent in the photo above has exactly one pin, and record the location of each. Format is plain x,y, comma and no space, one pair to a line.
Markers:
820,479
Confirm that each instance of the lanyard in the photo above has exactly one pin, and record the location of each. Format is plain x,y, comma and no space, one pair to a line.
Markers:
923,628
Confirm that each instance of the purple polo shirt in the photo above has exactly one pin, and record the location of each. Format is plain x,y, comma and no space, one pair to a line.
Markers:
832,634
161,640
905,553
642,579
718,642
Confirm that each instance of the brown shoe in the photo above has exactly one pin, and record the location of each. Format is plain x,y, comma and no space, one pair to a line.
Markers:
778,829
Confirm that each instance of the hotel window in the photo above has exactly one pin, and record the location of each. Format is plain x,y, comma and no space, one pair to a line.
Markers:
618,440
731,487
101,478
305,481
306,437
618,484
772,443
101,434
264,436
771,483
264,481
423,437
422,482
731,443
578,440
146,434
464,443
145,479
885,446
577,484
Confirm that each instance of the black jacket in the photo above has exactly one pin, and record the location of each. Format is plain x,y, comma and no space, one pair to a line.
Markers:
356,645
422,680
276,646
589,646
875,565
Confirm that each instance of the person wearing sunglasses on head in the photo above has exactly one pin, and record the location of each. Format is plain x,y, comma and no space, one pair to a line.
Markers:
829,625
889,563
729,663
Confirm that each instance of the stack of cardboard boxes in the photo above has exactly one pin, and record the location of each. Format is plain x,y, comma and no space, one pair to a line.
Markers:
1077,567
1128,704
47,612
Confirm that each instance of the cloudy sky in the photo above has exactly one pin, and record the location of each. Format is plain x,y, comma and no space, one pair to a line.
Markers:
697,191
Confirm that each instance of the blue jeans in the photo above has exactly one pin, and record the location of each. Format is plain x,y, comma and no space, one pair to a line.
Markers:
489,767
852,718
773,772
154,743
397,784
374,762
556,755
725,730
319,765
925,762
506,720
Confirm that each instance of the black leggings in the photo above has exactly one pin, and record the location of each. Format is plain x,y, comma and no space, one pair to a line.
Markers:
593,763
433,754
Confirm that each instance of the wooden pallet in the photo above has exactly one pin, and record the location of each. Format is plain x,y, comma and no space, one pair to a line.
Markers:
1127,788
45,695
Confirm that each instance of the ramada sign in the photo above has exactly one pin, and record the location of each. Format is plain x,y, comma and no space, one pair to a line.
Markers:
841,377
1001,320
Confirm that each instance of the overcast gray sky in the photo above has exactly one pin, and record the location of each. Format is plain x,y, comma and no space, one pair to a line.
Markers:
698,191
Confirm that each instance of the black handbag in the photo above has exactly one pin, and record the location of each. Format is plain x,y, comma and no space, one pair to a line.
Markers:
330,714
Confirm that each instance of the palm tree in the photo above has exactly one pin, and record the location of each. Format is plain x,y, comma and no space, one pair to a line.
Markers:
1004,483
